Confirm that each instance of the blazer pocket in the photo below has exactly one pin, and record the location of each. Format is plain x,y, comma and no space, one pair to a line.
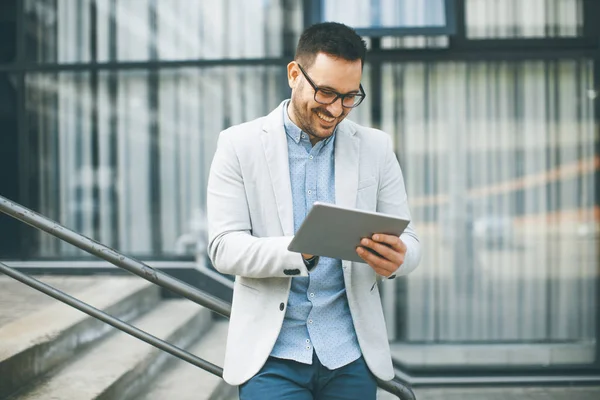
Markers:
366,183
366,196
246,288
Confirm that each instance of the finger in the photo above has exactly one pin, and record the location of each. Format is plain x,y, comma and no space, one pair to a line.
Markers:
386,270
387,252
391,240
379,264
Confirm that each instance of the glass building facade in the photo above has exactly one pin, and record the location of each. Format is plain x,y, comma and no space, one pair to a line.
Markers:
110,111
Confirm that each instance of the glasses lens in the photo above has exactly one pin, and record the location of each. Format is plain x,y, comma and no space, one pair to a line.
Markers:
328,97
325,96
353,100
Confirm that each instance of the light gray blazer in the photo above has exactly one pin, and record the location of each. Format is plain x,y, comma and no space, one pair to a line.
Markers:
250,224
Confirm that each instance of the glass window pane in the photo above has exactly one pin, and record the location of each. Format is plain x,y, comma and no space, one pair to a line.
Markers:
8,31
415,42
125,155
500,169
109,30
386,13
521,19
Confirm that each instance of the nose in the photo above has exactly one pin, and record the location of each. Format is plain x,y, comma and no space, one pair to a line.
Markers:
336,109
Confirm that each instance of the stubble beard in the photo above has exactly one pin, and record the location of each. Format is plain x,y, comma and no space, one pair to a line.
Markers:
306,120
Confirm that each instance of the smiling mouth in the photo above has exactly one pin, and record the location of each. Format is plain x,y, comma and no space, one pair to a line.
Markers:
325,118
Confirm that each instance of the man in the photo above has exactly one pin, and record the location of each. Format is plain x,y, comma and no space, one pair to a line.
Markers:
303,327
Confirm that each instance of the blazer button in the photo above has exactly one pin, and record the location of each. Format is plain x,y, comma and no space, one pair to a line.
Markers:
281,306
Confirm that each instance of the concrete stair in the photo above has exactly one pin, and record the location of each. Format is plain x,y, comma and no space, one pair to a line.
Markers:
183,381
53,351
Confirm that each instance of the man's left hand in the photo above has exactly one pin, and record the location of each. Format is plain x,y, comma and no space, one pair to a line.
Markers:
390,249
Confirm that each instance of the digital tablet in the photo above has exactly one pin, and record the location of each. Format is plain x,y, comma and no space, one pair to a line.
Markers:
333,231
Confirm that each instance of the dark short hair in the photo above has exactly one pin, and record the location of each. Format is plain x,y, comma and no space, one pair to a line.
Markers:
331,38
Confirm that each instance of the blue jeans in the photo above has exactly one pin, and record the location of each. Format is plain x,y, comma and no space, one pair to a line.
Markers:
281,379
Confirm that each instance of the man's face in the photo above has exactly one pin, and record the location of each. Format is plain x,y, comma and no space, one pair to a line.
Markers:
327,72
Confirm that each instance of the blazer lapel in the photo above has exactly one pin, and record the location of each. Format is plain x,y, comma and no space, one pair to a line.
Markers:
346,179
346,165
274,142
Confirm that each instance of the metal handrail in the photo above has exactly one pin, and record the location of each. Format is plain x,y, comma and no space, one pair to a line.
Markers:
132,265
109,319
36,220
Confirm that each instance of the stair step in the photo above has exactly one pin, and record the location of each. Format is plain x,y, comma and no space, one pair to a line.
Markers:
186,382
34,342
121,366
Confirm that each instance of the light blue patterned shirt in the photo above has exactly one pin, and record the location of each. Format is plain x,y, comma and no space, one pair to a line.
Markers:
317,316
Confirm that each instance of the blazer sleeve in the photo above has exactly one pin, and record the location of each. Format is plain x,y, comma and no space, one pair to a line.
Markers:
232,248
392,199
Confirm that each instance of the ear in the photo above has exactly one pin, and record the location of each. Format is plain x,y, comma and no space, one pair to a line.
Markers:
293,73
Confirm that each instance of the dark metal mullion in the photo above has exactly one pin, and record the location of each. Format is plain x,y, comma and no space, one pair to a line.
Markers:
154,132
78,81
554,31
547,32
481,54
452,21
137,65
287,31
521,44
289,45
591,28
113,126
226,83
376,83
57,205
518,49
110,320
460,19
95,145
313,12
26,235
407,31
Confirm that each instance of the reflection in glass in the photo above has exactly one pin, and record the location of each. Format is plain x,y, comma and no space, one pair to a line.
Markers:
386,13
68,31
522,19
499,163
124,156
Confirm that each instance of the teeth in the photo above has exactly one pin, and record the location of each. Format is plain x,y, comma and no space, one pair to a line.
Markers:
324,118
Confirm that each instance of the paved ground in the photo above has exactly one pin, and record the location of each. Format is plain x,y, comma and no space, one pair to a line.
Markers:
18,299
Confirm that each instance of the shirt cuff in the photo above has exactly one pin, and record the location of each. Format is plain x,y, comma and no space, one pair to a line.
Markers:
310,263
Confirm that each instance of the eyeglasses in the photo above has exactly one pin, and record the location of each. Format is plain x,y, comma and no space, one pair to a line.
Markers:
328,96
